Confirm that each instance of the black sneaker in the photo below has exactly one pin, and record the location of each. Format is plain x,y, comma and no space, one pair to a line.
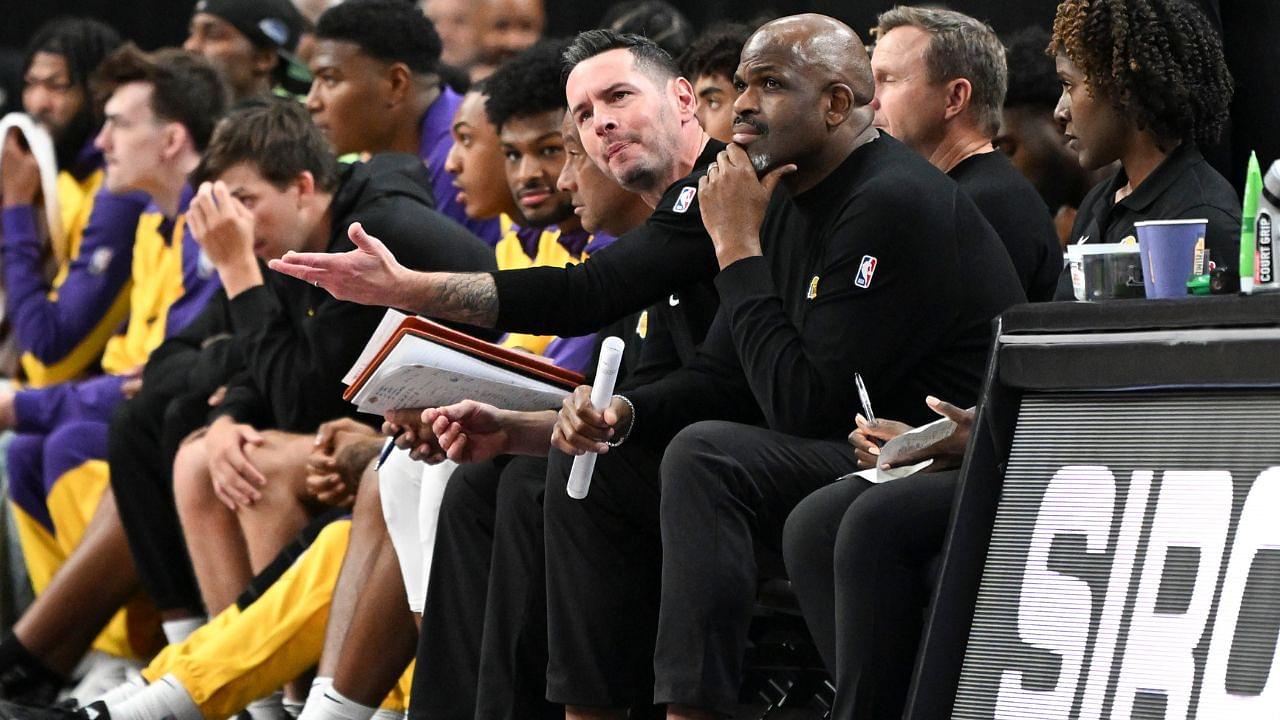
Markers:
92,711
25,686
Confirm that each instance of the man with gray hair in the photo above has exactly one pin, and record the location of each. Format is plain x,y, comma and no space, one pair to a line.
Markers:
940,83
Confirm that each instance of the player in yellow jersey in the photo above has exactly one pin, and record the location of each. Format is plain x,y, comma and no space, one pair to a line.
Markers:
159,113
65,294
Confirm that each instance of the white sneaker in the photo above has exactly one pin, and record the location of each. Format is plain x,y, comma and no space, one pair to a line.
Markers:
101,672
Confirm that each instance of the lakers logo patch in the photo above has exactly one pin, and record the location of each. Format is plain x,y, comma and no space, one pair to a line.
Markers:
100,260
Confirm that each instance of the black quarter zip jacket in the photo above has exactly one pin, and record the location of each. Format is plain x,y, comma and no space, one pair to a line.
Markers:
885,268
297,341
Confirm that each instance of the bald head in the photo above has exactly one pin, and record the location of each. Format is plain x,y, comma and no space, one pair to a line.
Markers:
818,44
805,93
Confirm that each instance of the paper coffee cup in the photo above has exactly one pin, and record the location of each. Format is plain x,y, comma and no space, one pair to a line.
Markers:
1168,254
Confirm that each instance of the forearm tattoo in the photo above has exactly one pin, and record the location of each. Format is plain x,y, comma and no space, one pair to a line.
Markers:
462,297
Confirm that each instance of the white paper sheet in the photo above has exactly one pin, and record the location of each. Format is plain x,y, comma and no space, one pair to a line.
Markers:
420,373
877,476
386,328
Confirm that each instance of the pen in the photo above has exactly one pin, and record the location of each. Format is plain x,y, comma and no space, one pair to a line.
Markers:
864,398
386,449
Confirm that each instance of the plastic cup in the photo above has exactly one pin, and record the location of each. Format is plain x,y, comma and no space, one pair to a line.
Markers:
1168,250
1105,271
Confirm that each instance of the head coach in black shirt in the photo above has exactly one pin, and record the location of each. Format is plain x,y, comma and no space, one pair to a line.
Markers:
635,118
482,650
1145,86
940,86
867,260
635,144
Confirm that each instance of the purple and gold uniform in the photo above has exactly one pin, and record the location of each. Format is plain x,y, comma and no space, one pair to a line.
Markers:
522,248
61,324
433,149
165,269
574,353
57,470
246,652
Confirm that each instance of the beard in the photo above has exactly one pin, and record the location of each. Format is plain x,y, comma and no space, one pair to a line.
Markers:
646,175
559,213
640,178
650,172
761,161
761,158
69,140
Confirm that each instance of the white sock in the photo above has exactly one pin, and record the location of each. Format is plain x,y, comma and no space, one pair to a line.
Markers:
329,704
388,714
175,631
315,698
122,692
164,699
293,708
270,707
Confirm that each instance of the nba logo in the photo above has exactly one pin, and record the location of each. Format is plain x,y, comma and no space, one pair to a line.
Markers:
865,271
685,200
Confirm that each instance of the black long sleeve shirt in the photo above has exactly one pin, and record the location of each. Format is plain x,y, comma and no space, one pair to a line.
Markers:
297,340
669,252
885,268
676,327
198,358
1018,215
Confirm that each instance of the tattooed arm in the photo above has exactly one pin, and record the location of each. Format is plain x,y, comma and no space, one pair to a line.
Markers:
470,298
670,253
370,275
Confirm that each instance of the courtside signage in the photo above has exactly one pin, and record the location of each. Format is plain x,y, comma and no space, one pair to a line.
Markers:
1134,565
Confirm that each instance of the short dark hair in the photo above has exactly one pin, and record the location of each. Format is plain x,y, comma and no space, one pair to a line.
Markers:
1033,80
1158,61
277,137
960,46
657,20
185,87
527,84
716,51
83,42
648,56
389,30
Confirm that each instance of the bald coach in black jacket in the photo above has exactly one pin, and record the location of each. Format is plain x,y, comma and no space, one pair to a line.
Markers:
868,260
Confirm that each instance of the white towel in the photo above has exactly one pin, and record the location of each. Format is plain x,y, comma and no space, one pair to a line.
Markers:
41,145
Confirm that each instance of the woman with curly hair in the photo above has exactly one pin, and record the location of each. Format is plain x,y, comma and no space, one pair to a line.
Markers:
1144,82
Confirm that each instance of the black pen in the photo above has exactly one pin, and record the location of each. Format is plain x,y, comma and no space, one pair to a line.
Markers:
386,449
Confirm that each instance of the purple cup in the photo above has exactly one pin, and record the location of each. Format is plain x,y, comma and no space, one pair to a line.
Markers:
1168,249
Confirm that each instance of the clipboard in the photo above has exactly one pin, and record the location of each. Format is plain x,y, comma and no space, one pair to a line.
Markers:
533,367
